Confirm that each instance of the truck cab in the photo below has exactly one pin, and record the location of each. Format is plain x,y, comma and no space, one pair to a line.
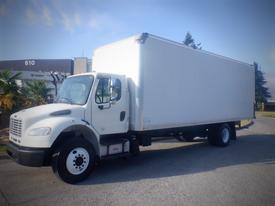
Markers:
72,133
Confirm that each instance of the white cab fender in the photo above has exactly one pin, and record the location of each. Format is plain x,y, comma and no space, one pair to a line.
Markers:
59,125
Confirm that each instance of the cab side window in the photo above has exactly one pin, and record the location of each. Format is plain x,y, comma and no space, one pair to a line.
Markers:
116,89
103,92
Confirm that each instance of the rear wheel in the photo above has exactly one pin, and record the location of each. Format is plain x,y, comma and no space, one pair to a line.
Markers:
134,147
220,135
74,161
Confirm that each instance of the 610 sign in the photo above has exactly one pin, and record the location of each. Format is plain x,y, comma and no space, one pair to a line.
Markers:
29,62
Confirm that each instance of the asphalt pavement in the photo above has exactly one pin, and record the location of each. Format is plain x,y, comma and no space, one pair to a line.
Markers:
166,173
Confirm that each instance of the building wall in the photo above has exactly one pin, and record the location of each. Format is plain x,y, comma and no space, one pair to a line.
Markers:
44,65
82,65
269,106
48,70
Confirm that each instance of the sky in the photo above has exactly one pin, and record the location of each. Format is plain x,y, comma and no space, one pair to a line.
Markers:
240,29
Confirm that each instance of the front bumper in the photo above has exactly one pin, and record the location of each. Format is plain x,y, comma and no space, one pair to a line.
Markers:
33,157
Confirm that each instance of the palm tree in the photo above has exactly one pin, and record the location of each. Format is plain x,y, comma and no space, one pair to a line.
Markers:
9,90
37,91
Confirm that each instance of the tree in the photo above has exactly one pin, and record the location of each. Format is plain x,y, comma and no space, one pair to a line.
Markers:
37,92
9,90
189,41
261,92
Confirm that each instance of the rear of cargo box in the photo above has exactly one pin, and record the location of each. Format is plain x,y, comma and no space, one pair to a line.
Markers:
183,87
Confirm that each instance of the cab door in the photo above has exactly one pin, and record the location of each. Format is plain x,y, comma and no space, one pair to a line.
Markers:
110,107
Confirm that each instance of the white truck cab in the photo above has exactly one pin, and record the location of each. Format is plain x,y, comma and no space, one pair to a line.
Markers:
144,87
88,107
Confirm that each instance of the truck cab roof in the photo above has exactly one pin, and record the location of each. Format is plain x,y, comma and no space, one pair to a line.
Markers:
97,74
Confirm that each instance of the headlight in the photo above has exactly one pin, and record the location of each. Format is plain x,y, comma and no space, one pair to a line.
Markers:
41,131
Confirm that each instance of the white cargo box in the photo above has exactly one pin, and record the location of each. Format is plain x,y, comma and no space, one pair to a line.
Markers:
172,85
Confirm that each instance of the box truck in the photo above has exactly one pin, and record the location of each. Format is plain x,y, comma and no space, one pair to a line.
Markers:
141,88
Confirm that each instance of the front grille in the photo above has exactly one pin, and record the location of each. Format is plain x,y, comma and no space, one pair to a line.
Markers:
16,127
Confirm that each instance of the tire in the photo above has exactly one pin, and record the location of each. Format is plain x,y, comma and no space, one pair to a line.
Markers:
75,160
134,147
211,137
220,135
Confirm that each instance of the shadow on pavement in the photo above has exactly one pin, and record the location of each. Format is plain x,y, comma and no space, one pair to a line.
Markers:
184,160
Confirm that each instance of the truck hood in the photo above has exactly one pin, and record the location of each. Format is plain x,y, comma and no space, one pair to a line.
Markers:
35,114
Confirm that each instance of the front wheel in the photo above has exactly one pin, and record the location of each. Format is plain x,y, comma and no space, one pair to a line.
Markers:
74,160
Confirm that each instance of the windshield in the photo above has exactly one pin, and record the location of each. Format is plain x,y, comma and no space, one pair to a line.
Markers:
75,90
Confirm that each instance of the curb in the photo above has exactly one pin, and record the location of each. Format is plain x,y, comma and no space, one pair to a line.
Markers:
245,126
